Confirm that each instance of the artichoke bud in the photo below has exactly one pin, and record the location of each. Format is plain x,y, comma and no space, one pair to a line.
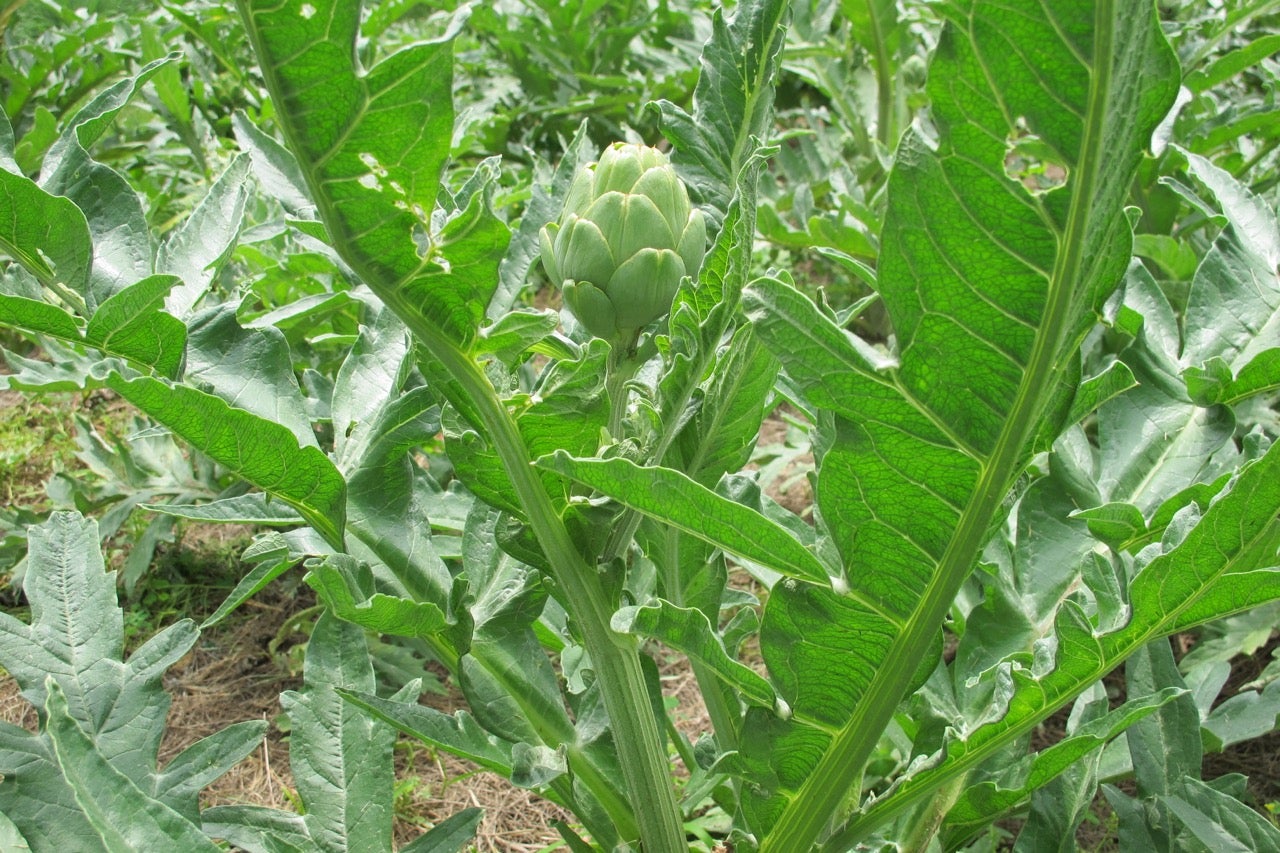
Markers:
627,235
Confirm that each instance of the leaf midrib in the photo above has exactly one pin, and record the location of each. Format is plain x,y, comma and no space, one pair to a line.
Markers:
800,823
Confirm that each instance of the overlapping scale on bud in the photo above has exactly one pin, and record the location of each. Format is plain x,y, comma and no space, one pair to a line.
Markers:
627,235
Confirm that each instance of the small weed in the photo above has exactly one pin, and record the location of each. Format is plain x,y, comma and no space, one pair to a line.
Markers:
35,436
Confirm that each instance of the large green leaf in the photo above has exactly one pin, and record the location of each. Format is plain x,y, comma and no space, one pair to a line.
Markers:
129,324
371,144
249,368
264,453
1220,821
377,425
45,233
568,411
340,757
347,589
458,734
689,631
984,803
90,777
514,691
990,288
1233,308
205,761
193,251
732,103
133,324
1226,563
1230,349
121,240
671,497
121,814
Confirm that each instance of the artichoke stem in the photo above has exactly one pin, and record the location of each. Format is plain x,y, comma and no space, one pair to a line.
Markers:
620,369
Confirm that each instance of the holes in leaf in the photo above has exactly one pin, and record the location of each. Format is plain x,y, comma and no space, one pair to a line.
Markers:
372,180
1032,162
307,11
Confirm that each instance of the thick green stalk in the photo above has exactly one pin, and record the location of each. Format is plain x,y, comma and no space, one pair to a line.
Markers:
615,657
620,369
726,718
884,81
929,819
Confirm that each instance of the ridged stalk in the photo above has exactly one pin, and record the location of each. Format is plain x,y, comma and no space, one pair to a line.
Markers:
614,657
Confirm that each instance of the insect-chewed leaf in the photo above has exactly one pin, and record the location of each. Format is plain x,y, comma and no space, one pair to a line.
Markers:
371,144
990,287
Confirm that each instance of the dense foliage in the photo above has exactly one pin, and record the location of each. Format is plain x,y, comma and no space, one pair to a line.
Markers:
1010,272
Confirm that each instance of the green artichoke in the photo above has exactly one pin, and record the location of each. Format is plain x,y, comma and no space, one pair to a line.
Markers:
627,235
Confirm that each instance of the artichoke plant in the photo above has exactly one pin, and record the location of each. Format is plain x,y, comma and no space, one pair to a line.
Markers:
627,235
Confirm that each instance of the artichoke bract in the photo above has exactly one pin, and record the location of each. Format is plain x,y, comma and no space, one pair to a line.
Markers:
627,235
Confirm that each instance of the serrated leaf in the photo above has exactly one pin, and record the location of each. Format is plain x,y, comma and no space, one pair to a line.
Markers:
340,757
276,169
206,238
123,816
1165,748
390,508
1096,390
7,163
371,144
272,460
258,828
132,324
544,206
346,588
689,631
1247,715
202,763
733,100
515,332
535,766
718,440
1218,568
983,803
509,683
243,509
84,653
46,233
1214,383
569,412
1059,807
458,734
370,377
1040,561
1220,821
250,368
69,369
990,289
121,239
1233,308
92,772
